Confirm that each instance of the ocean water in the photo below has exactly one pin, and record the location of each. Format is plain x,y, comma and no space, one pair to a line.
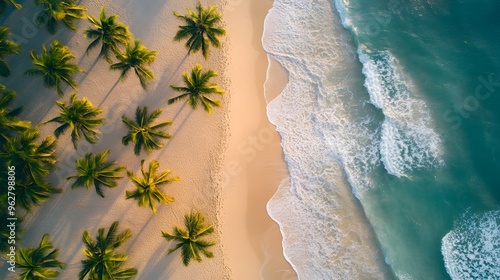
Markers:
390,127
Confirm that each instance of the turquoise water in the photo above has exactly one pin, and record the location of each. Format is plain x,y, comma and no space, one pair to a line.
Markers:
399,102
449,52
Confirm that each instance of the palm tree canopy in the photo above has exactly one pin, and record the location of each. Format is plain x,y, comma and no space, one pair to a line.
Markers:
109,32
38,263
54,66
189,239
28,192
81,117
201,29
136,56
32,160
196,88
7,47
54,11
143,133
148,186
97,171
101,260
9,123
5,3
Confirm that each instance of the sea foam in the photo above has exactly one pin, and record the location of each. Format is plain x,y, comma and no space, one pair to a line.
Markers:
329,138
408,140
472,249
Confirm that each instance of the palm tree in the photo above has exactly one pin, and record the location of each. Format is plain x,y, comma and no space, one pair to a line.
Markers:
189,239
148,187
7,47
102,263
33,163
202,29
9,123
54,66
97,171
32,160
143,133
39,263
136,56
4,3
54,11
197,87
108,31
28,192
81,117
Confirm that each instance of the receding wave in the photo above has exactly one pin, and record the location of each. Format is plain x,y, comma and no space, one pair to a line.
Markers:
472,249
329,138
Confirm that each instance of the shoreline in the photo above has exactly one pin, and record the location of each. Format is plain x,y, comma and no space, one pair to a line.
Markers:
254,166
216,141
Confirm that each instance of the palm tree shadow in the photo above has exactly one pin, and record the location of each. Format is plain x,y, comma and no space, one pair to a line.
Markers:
87,72
109,92
158,263
179,128
168,80
179,111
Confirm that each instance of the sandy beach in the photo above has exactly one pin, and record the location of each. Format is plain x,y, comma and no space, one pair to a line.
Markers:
230,163
254,166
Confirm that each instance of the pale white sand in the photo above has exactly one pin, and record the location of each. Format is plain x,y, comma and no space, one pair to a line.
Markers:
251,244
254,166
194,153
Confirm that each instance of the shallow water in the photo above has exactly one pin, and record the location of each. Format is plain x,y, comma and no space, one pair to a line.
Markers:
390,130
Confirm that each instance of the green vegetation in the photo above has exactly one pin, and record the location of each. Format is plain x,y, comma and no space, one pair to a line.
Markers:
197,86
148,187
54,66
109,32
143,133
54,11
189,239
39,263
5,3
81,117
97,171
10,124
7,47
102,263
33,164
136,56
201,30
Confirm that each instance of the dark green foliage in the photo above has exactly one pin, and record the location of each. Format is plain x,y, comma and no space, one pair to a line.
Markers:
143,133
197,87
96,171
148,187
33,160
7,48
201,29
39,263
54,66
102,263
136,56
189,239
109,32
10,124
55,11
81,117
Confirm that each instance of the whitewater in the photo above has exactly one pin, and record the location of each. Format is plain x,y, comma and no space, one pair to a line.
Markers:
346,115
